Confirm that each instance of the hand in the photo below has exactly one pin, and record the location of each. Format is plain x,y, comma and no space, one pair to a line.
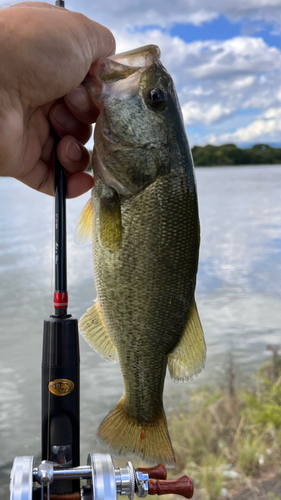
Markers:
45,54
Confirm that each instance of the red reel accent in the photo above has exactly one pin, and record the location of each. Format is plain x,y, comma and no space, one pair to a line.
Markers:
60,300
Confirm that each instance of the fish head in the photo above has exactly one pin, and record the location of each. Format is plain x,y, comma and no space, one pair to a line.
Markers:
137,101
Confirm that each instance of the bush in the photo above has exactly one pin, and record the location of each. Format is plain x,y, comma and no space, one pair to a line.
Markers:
221,427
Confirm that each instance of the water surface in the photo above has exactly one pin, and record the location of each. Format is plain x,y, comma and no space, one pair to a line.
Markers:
238,296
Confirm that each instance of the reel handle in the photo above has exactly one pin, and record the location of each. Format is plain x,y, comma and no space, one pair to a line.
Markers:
157,472
182,486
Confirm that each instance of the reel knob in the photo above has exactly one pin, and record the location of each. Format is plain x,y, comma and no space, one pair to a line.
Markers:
182,486
157,472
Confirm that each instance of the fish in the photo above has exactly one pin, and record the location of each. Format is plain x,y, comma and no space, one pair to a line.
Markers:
144,223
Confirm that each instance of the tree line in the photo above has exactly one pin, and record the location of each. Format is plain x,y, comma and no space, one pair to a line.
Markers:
230,154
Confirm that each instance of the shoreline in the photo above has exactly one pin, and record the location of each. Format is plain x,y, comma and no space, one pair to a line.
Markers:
228,439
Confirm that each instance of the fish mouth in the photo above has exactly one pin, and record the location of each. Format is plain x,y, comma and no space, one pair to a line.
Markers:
142,57
107,75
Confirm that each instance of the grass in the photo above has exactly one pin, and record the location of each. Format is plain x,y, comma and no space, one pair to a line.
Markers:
271,496
225,438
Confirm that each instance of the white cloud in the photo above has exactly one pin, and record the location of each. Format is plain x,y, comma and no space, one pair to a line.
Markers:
194,112
272,114
263,96
125,13
268,125
215,78
200,17
238,59
237,56
238,83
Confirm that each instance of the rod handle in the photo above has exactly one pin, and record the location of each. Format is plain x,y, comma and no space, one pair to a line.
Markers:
182,486
157,472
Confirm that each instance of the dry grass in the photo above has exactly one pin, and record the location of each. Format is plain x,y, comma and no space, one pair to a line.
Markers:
226,438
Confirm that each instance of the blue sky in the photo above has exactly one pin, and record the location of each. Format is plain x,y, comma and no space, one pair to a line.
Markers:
224,56
222,29
219,29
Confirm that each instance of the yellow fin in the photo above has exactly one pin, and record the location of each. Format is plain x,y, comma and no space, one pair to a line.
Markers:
110,222
188,358
84,230
125,436
94,331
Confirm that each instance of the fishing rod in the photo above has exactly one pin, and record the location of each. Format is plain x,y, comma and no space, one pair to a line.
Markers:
60,359
59,473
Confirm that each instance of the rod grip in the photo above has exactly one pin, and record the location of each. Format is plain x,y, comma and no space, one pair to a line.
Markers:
182,486
157,472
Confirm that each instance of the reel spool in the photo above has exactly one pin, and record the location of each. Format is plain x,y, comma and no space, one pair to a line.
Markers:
21,483
104,482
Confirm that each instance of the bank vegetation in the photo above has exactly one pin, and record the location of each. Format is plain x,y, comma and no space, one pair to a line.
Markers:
229,439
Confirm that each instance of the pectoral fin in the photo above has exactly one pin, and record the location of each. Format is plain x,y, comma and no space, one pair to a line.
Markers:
110,222
94,331
188,358
83,233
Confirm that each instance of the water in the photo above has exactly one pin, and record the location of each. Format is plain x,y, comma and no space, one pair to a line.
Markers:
238,296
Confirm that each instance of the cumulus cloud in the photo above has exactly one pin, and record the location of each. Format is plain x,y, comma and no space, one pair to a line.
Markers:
238,59
125,13
214,78
237,56
194,112
267,125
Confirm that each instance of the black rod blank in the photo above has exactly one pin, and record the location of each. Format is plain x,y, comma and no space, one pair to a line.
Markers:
60,296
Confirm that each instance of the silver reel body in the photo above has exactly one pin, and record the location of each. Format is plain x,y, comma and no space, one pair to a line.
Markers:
104,481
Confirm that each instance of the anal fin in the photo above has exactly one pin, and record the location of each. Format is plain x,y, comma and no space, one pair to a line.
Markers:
188,358
94,331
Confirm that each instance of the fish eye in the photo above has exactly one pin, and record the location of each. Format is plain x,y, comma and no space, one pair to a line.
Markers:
156,98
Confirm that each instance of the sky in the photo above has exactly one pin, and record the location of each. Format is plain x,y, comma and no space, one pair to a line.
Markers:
224,57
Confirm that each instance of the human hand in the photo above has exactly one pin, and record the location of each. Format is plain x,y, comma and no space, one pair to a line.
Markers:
45,54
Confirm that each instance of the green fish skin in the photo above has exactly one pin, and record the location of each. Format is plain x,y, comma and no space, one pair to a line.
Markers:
145,231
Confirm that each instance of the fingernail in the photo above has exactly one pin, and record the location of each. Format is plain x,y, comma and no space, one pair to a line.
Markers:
79,99
63,117
73,151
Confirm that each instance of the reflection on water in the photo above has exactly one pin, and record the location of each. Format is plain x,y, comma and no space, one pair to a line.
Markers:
238,296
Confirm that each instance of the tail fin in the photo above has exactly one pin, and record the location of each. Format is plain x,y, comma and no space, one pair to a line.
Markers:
125,436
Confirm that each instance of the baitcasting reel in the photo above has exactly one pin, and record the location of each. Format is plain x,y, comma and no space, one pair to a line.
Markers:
104,482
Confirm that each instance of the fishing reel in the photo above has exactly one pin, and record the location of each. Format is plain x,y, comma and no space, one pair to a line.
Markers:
104,481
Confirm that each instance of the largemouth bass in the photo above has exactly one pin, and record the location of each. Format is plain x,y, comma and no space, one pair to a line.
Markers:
144,221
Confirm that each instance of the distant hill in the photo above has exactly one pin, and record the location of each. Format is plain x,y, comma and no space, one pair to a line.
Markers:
230,154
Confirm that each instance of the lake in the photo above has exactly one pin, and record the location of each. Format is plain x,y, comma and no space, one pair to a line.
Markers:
238,296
